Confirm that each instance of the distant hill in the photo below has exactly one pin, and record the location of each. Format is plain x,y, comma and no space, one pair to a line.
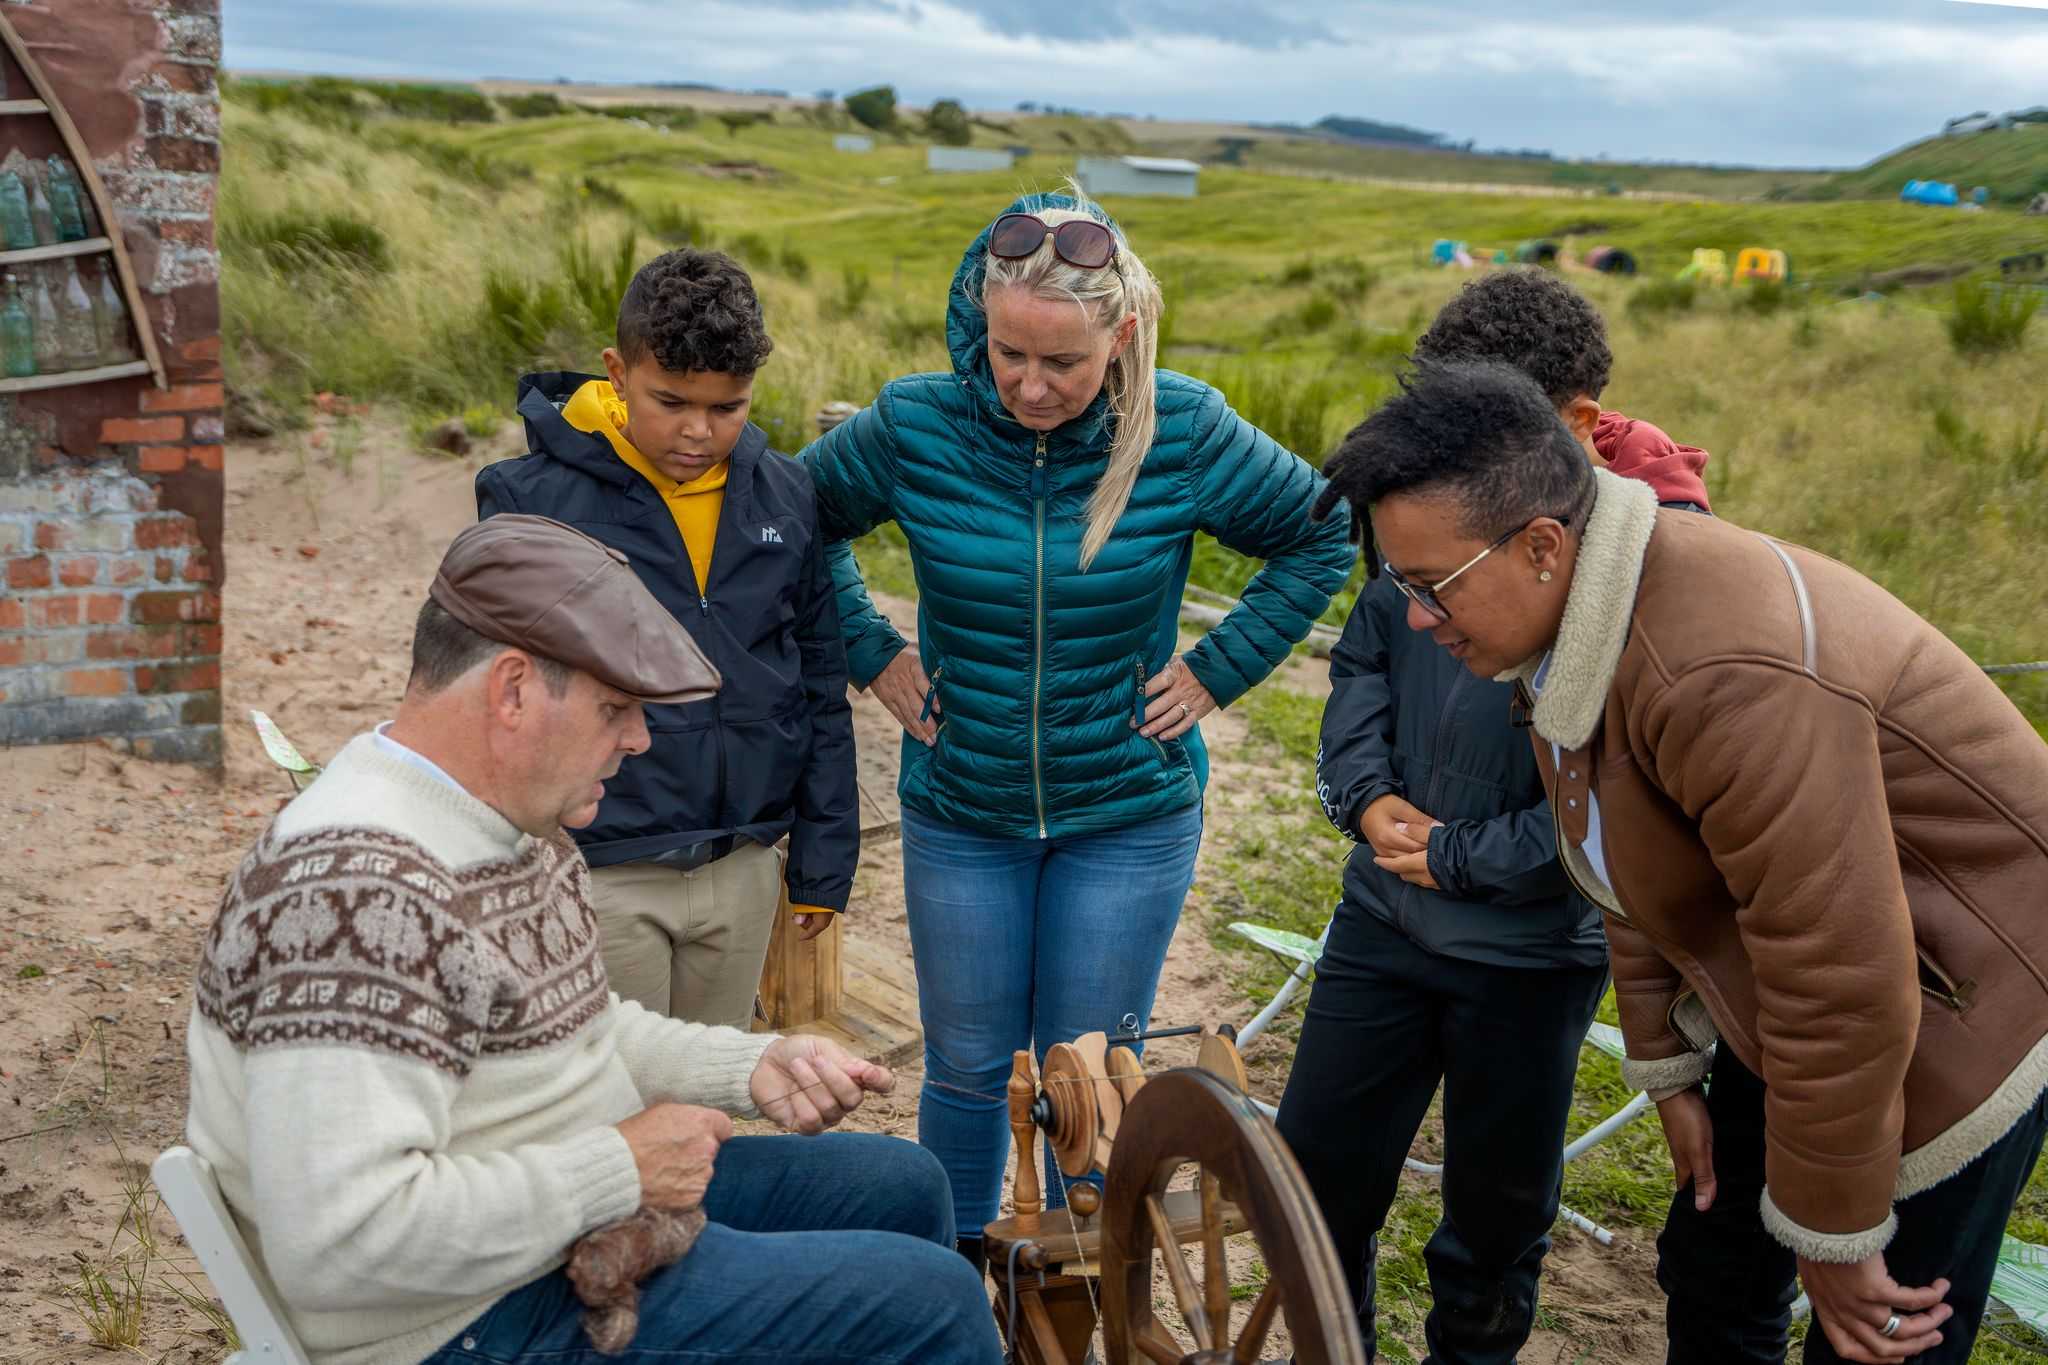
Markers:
2013,165
1372,130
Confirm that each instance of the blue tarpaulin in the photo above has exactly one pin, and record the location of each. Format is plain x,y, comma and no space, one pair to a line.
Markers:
1930,192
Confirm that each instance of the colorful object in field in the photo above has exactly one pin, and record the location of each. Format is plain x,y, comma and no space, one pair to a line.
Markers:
1448,253
1611,260
1761,263
1709,265
1536,252
1934,192
283,752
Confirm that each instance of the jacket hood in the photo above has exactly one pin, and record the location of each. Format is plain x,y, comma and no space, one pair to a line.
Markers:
541,398
1639,450
967,324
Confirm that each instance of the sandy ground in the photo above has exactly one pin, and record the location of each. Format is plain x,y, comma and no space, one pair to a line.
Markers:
110,870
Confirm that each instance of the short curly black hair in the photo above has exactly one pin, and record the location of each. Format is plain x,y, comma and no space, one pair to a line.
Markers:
694,310
1480,433
1532,320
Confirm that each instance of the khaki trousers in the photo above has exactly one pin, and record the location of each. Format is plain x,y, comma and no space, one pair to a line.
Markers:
689,944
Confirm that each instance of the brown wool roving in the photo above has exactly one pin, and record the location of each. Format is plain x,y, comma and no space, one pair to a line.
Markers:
606,1267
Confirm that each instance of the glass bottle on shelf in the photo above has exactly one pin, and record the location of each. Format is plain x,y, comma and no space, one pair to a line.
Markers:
110,315
17,334
49,339
17,227
78,329
67,200
39,208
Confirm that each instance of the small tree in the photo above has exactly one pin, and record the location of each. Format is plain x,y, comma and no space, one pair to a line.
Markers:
736,119
874,108
947,123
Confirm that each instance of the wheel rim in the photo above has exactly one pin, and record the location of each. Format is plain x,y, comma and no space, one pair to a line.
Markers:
1189,1116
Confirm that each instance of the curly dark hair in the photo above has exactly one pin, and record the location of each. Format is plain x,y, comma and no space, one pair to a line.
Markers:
1532,320
694,310
1480,432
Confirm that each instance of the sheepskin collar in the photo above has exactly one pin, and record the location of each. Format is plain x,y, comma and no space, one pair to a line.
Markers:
1596,613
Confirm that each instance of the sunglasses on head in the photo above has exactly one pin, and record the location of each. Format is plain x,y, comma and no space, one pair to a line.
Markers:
1080,242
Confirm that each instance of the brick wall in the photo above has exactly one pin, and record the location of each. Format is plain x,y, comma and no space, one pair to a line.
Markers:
111,494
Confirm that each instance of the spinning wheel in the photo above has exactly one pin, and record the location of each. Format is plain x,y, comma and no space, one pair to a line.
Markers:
1060,1272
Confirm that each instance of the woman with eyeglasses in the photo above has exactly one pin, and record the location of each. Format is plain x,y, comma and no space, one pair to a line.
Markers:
1050,488
1820,837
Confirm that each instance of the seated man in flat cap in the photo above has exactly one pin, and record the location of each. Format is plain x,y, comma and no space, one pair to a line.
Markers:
417,1091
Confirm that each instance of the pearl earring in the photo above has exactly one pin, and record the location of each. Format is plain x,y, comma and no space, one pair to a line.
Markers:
1543,577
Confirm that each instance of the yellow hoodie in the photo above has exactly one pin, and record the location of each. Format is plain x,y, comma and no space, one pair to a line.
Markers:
598,409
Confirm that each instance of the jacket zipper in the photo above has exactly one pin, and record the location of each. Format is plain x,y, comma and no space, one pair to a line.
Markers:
1949,992
1411,893
717,711
1138,707
1038,622
930,693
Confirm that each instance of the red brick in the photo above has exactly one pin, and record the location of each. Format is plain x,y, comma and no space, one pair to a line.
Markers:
168,608
121,431
188,154
78,573
201,642
188,232
128,570
183,398
44,612
104,609
207,457
144,642
206,348
51,535
184,78
198,569
168,531
12,652
12,617
29,573
166,568
197,677
96,682
160,459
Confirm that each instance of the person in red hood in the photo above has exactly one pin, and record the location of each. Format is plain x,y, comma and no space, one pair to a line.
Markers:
1542,326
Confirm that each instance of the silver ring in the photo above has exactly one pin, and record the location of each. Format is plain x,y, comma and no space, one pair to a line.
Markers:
1183,710
1891,1325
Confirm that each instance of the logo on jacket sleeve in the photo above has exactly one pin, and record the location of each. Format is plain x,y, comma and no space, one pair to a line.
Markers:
770,536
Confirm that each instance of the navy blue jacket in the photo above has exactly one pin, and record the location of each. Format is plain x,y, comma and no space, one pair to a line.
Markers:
772,753
1406,718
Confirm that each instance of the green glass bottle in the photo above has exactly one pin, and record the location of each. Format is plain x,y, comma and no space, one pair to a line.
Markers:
17,225
67,200
110,316
17,334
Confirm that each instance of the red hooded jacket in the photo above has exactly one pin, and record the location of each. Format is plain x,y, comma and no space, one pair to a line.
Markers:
1637,450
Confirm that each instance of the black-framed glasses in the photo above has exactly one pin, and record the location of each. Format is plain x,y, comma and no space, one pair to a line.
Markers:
1081,242
1424,595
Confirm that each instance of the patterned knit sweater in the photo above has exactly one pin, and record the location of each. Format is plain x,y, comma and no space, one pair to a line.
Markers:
406,1063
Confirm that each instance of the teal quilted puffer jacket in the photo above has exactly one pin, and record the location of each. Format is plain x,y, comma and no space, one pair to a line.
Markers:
1039,667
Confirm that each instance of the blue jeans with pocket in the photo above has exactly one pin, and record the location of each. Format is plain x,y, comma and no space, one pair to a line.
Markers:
836,1248
1026,943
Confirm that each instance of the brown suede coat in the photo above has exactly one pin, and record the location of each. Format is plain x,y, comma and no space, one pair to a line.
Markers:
1824,824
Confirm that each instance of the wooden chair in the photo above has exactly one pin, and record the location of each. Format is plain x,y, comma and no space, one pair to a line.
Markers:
186,1182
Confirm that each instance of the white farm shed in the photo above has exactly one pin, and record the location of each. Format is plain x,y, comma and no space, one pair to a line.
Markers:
852,142
957,159
1100,175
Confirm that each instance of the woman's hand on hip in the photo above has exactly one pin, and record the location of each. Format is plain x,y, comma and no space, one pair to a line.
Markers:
903,687
1689,1133
1178,700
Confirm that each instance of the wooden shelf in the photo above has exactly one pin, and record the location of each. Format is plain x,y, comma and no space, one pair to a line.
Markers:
66,378
23,107
90,246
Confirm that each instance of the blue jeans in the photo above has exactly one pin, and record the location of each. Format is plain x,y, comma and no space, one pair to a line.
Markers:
810,1247
1026,943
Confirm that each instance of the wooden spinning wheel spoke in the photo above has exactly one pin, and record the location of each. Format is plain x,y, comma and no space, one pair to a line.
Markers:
1179,1275
1215,1272
1257,1325
1154,1342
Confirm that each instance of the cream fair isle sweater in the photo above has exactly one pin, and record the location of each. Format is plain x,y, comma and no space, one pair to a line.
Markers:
406,1063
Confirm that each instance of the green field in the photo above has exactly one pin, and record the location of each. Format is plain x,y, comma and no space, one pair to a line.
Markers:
2012,165
421,265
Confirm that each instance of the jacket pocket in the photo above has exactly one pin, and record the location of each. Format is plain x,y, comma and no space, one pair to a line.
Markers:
1957,995
1138,702
931,694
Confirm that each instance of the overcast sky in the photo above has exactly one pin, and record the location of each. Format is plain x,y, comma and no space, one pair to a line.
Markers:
1769,82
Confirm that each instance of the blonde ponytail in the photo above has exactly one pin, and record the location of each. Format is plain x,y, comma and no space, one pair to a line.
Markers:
1123,289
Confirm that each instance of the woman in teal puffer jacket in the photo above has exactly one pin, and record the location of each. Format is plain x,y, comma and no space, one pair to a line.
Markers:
1050,488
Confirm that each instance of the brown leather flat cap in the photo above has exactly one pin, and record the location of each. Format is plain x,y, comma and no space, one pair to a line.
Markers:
551,590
